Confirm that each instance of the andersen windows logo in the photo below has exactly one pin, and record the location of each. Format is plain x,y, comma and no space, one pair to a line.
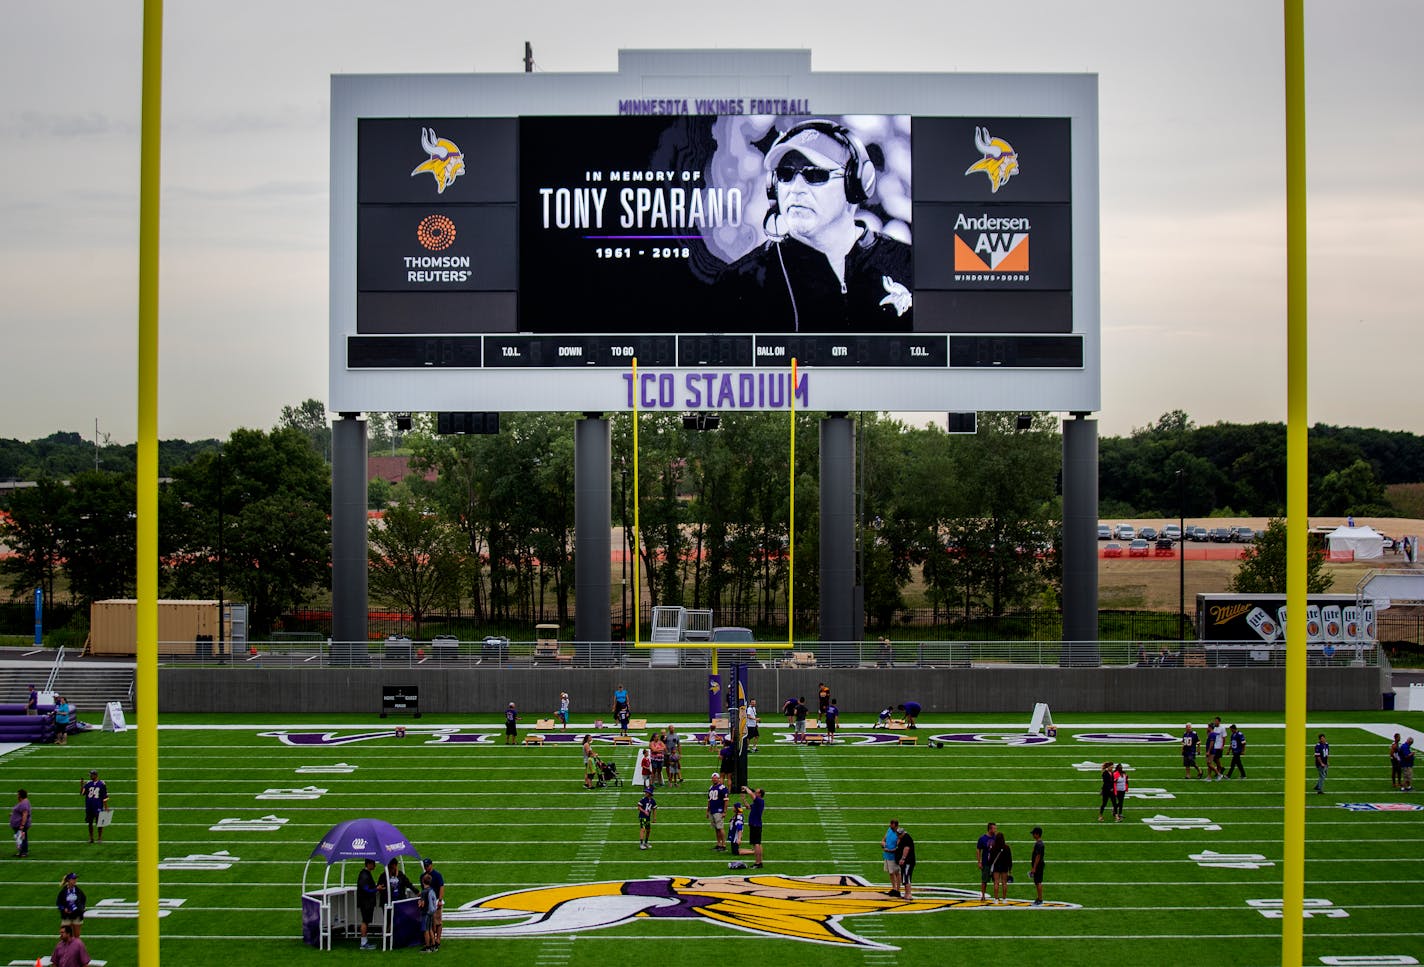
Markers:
992,246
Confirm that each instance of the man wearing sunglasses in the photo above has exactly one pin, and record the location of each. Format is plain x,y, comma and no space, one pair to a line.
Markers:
821,269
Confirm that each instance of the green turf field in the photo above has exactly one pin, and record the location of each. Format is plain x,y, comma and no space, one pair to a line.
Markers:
499,819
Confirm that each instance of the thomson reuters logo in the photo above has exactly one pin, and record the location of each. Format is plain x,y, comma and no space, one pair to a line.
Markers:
1000,161
435,233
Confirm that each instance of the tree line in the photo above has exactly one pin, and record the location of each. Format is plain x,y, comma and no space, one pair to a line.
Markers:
970,521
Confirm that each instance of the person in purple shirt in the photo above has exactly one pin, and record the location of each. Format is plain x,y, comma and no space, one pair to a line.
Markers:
1322,763
717,811
69,952
511,724
754,821
20,824
96,800
1190,743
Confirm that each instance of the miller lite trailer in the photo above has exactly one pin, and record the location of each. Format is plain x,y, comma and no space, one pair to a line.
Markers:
1331,619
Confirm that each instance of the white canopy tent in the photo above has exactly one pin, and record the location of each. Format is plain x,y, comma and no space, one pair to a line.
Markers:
1365,543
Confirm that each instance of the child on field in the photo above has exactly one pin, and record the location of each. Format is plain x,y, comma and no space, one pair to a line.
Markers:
428,902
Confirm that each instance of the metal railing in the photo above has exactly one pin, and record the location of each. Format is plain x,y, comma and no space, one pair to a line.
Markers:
494,654
54,669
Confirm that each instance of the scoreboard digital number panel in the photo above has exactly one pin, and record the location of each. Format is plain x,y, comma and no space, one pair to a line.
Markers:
530,232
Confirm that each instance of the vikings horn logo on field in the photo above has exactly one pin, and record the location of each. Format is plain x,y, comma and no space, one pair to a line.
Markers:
1000,161
808,908
446,162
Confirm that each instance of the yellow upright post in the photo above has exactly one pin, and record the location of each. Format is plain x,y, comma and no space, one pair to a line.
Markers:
146,676
637,543
1293,867
791,527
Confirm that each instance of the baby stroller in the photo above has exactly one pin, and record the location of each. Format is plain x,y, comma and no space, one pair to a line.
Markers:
608,774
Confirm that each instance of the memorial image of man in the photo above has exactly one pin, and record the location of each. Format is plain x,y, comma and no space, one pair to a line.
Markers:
821,269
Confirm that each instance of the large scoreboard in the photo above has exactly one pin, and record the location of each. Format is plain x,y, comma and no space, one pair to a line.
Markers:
913,241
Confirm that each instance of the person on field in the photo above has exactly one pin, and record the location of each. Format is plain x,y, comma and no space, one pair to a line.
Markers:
71,903
511,725
1190,742
889,848
1238,749
983,849
1001,863
1105,791
366,897
69,952
717,811
647,813
96,800
1119,777
905,852
1035,864
754,821
20,824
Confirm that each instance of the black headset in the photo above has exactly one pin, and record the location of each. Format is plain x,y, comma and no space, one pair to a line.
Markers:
859,169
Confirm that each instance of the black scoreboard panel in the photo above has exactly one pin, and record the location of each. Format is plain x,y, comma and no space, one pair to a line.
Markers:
450,275
727,352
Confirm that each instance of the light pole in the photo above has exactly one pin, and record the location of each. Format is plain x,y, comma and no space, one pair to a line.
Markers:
1181,555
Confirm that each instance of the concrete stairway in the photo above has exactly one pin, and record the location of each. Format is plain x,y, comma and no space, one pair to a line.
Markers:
87,685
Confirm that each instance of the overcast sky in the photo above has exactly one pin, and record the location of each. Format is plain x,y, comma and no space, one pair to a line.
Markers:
1192,184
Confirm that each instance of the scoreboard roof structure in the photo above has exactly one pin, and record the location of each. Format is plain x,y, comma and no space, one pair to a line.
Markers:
513,242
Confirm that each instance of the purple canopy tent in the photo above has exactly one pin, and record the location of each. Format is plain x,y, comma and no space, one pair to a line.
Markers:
332,907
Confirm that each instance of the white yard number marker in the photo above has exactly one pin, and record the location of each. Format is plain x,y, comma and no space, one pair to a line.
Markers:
128,909
305,792
221,860
1087,765
1375,960
1166,823
339,768
1271,909
1147,792
1230,861
267,824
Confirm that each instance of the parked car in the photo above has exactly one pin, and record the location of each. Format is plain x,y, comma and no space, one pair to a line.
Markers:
1148,533
1219,535
1113,550
1164,547
729,655
1243,535
1104,532
1124,532
1138,548
1196,534
1172,532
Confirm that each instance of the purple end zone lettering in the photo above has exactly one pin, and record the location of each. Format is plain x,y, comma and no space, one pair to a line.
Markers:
992,738
1126,738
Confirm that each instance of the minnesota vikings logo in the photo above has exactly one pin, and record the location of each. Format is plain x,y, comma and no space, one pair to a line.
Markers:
807,908
1000,161
446,160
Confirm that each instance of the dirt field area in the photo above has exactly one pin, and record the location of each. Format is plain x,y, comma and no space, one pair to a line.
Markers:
1152,583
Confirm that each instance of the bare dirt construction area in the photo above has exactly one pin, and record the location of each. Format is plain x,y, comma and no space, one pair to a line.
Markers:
1151,583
